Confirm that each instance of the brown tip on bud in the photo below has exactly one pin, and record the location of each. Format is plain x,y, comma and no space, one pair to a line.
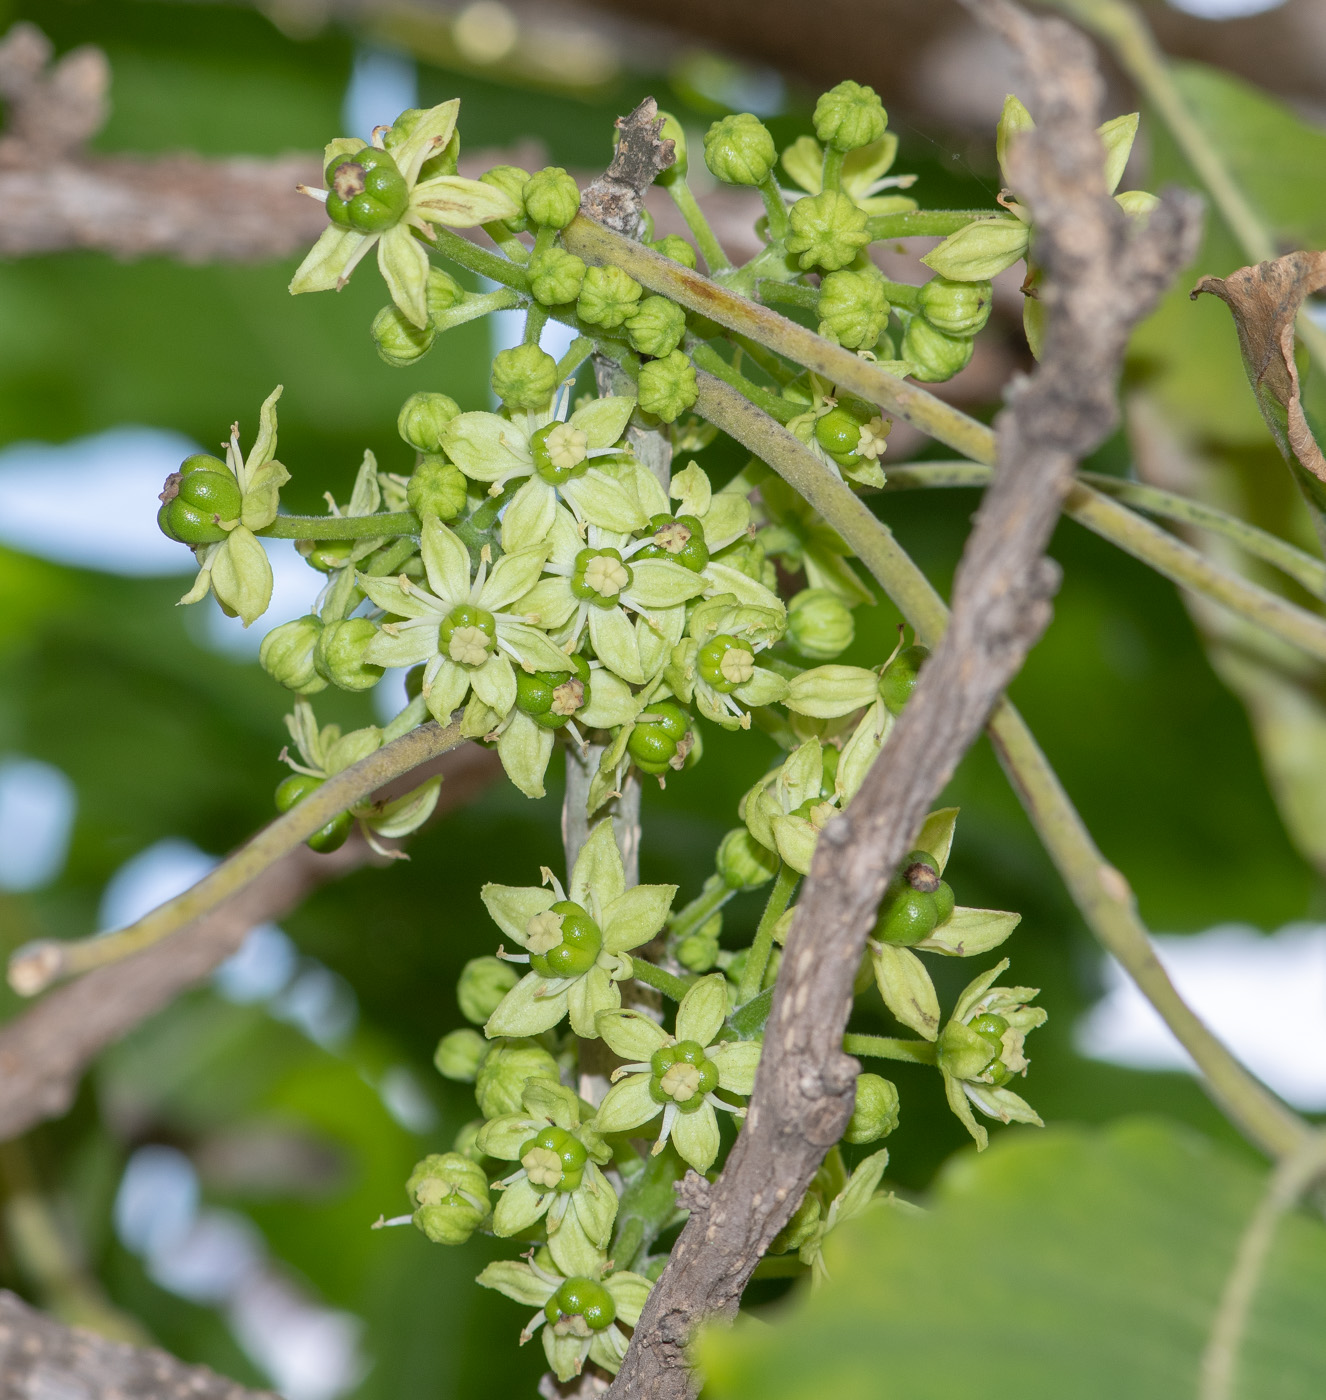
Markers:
348,180
921,877
171,489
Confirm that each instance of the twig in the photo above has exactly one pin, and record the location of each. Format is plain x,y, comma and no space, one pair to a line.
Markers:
1101,277
41,1357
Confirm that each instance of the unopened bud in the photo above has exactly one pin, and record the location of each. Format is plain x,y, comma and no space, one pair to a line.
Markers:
676,248
339,654
739,150
933,356
853,309
743,863
828,230
607,297
551,197
506,1068
656,327
819,624
673,131
667,386
956,308
876,1112
286,655
555,276
459,1055
436,487
399,341
482,985
422,418
849,115
524,377
510,179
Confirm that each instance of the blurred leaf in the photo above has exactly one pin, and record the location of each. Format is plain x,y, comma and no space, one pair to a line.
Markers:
1069,1263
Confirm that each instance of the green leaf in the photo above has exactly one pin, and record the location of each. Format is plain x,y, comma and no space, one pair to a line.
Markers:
1115,1245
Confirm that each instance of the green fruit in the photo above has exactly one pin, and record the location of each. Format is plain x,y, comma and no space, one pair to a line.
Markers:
366,191
657,735
906,915
900,677
196,498
725,663
945,903
332,836
679,538
339,654
580,945
585,1299
838,431
467,635
294,789
571,1159
551,698
328,555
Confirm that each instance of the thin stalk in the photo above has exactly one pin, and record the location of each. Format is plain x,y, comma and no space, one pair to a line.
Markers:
707,358
775,208
535,320
831,172
768,289
883,1047
780,1266
1294,562
711,250
757,959
776,368
341,527
34,967
902,294
700,910
470,255
507,241
387,561
657,978
1099,891
915,223
579,350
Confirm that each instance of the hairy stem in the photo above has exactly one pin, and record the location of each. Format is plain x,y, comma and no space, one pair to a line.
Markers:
757,959
711,250
341,527
883,1047
656,977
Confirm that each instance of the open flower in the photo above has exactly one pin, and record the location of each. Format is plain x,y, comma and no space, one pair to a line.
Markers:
983,1047
558,1180
863,175
375,197
715,666
575,940
460,629
593,583
581,1312
677,1075
556,453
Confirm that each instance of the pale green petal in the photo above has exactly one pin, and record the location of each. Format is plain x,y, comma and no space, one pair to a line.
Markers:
595,1206
726,519
695,1136
573,1249
976,989
957,1101
763,688
528,518
511,907
631,1034
737,1062
406,646
691,490
967,933
906,988
534,648
518,1207
596,497
549,604
340,753
659,583
657,633
495,684
936,834
552,1101
629,1292
611,702
603,421
449,688
486,447
446,561
861,750
566,1355
828,692
587,996
1002,1104
1117,136
407,813
647,488
804,162
404,267
518,1281
429,135
703,1009
802,773
795,839
723,578
459,202
608,1349
626,1106
242,574
391,596
598,870
504,1136
329,260
264,445
525,749
636,916
511,578
613,636
524,1012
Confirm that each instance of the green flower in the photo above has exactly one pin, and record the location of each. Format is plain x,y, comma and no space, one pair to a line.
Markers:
555,276
551,197
607,297
576,940
558,1181
828,230
668,386
449,1194
656,326
461,630
581,1312
524,376
982,1048
555,449
853,309
863,175
450,200
715,666
677,1075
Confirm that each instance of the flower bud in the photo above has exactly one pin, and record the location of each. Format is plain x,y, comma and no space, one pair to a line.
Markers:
524,377
900,677
507,1067
739,150
676,248
801,1226
459,1055
1137,204
980,250
450,1197
876,1112
656,327
956,308
853,309
510,179
422,418
339,654
607,297
555,276
551,197
399,341
466,1142
436,488
932,355
849,116
672,130
286,655
667,386
819,624
482,985
366,191
698,952
443,292
828,230
743,863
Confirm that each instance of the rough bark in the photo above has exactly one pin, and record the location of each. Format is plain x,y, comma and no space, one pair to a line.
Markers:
1101,276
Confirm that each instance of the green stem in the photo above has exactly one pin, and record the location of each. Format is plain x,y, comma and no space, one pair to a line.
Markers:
757,959
387,561
902,294
700,910
34,967
655,977
535,320
707,358
882,1047
648,1205
914,223
777,370
780,1266
341,527
831,172
768,289
579,350
711,250
1296,563
1098,890
507,241
470,255
776,208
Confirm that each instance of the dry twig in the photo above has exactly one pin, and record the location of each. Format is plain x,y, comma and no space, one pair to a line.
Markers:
1102,276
